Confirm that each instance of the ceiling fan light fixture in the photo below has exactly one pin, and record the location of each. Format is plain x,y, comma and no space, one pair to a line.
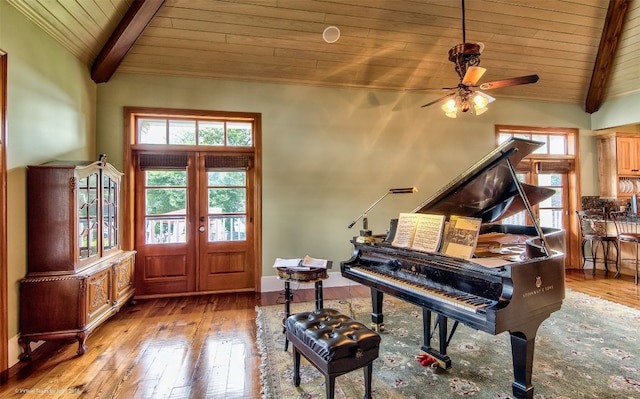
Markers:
479,101
480,110
450,109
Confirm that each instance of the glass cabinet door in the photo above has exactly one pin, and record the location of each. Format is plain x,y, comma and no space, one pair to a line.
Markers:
88,202
109,213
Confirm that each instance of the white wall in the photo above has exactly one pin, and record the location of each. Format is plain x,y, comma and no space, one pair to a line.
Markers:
329,153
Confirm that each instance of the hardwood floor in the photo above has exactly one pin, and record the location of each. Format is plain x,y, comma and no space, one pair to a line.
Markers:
194,347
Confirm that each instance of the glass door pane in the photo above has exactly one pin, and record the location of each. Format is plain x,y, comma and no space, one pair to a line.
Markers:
165,206
109,213
227,205
519,218
88,216
551,210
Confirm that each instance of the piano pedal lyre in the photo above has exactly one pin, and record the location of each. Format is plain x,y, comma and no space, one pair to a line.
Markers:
377,327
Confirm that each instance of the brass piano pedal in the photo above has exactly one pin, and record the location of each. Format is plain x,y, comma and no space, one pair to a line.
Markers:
378,327
441,364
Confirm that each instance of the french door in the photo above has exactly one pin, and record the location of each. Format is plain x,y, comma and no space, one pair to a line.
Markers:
193,222
550,212
554,211
553,165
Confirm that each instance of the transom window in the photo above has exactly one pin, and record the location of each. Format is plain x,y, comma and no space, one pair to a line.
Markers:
201,132
556,142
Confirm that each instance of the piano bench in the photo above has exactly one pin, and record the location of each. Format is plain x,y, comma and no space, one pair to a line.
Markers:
334,343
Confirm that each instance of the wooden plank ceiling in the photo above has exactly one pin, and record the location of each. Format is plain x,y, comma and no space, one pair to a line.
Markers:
384,44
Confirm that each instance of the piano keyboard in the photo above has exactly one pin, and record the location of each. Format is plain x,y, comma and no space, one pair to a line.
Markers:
457,299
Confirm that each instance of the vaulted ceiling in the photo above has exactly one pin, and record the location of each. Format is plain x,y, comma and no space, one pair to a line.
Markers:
584,51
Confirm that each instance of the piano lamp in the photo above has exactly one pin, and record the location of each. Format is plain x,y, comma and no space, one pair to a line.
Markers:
365,233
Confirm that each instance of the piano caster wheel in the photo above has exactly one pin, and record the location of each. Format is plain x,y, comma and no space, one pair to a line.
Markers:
377,327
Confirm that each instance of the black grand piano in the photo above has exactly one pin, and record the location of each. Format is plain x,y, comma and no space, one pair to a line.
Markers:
492,295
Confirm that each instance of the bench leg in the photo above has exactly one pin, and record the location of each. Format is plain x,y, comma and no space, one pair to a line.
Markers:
368,371
296,367
331,385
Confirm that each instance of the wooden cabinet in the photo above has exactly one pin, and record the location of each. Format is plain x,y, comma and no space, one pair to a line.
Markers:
78,275
619,165
628,155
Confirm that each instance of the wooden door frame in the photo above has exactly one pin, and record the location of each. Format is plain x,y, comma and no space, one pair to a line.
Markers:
4,309
128,181
572,235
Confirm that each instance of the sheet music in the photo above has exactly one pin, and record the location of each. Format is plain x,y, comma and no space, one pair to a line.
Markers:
306,263
281,262
419,231
314,262
428,233
405,229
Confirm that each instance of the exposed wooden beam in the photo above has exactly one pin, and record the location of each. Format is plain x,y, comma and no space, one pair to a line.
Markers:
606,51
123,38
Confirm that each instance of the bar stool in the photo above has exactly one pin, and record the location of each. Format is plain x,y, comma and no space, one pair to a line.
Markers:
593,229
628,231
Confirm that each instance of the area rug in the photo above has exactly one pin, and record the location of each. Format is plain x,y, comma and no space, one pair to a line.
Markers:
588,349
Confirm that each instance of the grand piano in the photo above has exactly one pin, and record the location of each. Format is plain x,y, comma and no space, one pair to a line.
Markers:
514,294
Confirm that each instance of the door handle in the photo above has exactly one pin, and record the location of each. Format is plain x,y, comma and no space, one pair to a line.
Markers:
201,229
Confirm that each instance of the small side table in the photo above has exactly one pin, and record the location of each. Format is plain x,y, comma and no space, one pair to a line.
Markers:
313,275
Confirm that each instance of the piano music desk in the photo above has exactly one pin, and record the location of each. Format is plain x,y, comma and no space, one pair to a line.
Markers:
296,275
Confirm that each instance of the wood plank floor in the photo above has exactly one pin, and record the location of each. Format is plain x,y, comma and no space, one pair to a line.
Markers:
194,347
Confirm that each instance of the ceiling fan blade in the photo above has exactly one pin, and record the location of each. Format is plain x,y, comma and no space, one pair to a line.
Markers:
425,89
473,75
438,100
485,95
497,84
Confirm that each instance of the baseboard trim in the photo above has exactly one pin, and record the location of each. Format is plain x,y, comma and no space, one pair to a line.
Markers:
15,350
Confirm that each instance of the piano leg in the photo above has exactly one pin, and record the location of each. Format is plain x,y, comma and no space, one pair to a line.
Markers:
377,318
522,346
444,361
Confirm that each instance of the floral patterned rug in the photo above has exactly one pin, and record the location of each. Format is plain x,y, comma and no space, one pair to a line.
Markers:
588,349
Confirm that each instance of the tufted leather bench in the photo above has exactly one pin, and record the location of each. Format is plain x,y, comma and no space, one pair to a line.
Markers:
334,343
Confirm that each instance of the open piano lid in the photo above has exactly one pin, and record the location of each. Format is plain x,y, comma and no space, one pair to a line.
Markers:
487,190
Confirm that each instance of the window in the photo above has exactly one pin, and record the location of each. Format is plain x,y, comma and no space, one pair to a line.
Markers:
200,132
556,141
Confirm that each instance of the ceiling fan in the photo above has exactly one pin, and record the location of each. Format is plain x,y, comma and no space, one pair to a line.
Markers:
466,58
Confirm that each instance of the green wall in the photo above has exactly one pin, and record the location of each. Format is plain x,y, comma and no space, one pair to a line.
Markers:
329,153
50,115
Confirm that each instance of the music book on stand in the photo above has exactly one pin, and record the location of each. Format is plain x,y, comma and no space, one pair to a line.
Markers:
420,231
461,236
